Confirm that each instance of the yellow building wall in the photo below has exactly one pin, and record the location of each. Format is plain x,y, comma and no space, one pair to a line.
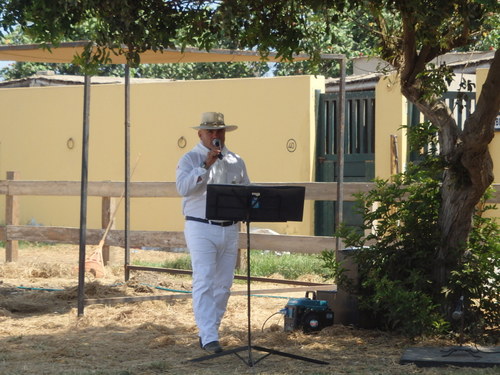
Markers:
39,126
390,114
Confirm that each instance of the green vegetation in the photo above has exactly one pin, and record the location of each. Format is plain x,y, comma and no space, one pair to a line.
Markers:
397,280
290,266
263,264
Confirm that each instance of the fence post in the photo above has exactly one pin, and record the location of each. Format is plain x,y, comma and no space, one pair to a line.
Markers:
11,218
108,207
242,253
394,155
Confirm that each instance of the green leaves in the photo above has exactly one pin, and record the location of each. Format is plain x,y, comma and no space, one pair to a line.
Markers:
403,309
109,24
286,27
397,254
477,277
434,81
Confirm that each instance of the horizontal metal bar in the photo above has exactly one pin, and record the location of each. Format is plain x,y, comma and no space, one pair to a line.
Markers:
238,277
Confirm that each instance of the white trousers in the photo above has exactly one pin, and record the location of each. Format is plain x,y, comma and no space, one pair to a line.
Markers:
213,250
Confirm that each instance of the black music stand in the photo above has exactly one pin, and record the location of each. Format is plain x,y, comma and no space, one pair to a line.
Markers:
254,203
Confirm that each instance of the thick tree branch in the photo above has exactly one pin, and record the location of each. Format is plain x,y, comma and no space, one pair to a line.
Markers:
439,113
414,61
479,128
479,131
409,46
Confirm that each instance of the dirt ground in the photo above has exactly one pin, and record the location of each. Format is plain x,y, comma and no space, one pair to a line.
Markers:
40,332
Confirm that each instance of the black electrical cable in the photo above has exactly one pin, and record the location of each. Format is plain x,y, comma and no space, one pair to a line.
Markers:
482,351
263,324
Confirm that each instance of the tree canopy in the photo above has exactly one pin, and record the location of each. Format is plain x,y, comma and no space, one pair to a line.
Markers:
348,39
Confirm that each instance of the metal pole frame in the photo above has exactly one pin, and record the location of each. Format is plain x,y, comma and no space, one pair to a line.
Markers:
127,172
84,186
84,177
340,152
83,194
340,142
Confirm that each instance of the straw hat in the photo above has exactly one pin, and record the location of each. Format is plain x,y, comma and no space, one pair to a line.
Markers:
214,121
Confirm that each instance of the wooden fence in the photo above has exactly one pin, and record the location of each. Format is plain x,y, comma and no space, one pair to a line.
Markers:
12,232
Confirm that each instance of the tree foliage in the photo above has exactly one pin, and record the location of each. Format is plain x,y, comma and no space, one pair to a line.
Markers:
395,285
352,35
181,71
218,24
168,71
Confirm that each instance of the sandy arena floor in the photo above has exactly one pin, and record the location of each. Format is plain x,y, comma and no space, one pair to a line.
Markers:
40,332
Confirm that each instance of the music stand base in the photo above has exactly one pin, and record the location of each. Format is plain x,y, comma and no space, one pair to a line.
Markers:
250,362
460,348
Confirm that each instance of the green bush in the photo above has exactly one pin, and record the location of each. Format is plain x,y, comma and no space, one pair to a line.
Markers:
395,258
477,278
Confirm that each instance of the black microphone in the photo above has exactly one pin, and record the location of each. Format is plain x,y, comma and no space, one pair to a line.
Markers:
216,142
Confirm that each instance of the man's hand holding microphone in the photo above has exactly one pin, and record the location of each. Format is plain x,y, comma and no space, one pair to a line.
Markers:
214,154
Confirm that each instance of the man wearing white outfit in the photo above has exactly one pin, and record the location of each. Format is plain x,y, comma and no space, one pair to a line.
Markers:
213,245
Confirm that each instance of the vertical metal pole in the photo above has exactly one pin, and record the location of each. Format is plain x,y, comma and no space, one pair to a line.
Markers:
83,195
11,218
249,298
127,171
340,152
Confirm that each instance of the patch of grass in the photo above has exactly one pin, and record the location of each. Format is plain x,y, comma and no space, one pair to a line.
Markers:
159,366
28,244
181,263
262,264
290,266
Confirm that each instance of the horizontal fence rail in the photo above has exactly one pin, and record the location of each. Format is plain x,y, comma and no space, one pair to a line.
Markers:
13,232
160,239
314,190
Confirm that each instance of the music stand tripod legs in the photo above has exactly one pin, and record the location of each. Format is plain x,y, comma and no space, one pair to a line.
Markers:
249,361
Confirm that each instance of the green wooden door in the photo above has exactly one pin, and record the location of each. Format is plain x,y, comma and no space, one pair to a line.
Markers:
359,146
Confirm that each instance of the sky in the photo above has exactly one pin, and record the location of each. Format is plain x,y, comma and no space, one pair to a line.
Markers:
3,64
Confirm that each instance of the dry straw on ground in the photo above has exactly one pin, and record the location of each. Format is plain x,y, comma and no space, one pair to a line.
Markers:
40,332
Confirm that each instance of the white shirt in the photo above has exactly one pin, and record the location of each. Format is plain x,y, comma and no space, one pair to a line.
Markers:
230,170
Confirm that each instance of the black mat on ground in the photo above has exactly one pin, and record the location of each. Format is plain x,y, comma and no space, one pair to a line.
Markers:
463,356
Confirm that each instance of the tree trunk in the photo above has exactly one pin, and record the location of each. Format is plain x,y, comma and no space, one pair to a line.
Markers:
460,193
